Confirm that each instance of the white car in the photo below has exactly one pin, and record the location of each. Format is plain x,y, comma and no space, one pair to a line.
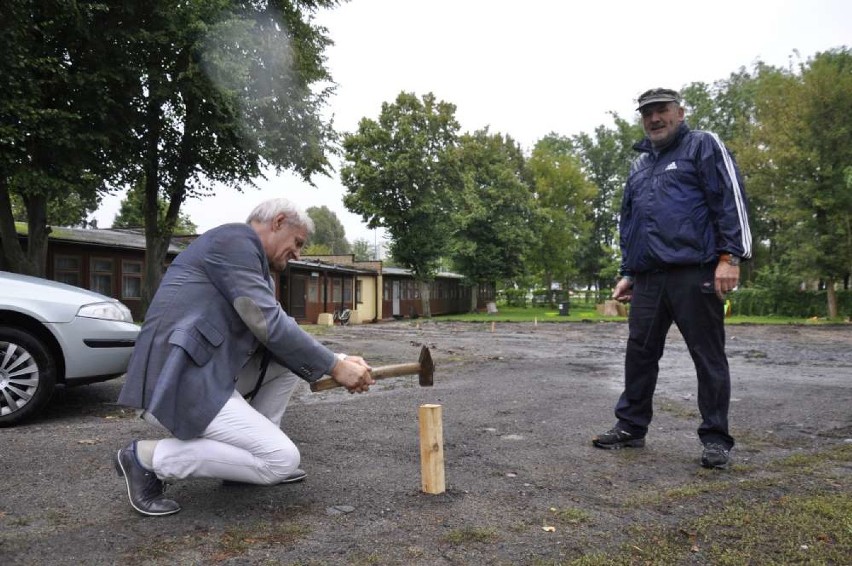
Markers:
52,333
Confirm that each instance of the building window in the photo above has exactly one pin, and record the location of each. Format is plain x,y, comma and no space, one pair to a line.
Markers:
101,271
66,269
358,298
347,292
386,291
313,289
336,290
131,279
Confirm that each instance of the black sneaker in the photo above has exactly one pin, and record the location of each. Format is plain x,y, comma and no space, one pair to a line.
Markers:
715,456
617,438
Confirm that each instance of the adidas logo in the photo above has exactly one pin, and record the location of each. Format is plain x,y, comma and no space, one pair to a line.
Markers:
671,166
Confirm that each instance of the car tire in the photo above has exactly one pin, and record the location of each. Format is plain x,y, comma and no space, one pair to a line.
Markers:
27,375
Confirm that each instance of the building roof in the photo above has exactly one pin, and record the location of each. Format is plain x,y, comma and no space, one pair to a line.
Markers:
131,238
407,273
327,266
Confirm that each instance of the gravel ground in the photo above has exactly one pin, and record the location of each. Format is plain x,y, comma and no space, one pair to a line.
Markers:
520,404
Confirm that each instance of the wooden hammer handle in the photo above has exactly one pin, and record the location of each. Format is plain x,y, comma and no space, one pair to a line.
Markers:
377,373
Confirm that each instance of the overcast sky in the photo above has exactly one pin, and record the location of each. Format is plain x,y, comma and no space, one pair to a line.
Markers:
530,68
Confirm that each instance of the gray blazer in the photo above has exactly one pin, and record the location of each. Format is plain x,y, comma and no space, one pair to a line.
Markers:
213,310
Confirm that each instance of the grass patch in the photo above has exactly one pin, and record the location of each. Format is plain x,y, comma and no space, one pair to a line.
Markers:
678,410
576,313
587,312
807,521
796,529
807,462
237,540
680,493
466,535
788,530
569,516
215,547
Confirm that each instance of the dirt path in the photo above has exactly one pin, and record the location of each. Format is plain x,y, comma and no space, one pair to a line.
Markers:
525,486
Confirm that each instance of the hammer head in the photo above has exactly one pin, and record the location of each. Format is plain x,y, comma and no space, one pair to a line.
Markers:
427,368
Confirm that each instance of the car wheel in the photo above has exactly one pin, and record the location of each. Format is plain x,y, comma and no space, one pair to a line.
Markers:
27,375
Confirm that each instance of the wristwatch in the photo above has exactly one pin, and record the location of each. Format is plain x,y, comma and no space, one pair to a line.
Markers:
731,259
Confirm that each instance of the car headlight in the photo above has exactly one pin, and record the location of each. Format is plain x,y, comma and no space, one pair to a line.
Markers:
106,311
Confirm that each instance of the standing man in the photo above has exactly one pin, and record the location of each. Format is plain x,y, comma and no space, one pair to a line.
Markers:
683,232
209,363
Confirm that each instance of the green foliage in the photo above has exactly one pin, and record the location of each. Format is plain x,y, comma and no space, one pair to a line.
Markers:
753,301
60,136
564,195
605,159
362,250
172,96
316,249
515,297
328,231
131,215
402,173
777,292
494,211
802,145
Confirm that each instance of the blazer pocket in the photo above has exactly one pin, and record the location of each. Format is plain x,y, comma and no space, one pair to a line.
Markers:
198,349
210,332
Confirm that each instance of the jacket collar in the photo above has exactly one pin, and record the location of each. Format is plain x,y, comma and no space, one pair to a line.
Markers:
645,144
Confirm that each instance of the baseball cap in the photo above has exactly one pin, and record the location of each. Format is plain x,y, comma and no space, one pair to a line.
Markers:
656,95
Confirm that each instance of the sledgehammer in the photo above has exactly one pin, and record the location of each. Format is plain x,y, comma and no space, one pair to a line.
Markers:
424,368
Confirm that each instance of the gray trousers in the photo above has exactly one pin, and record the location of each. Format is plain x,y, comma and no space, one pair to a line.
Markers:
244,442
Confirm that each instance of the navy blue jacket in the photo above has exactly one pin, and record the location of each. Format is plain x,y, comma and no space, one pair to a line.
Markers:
683,205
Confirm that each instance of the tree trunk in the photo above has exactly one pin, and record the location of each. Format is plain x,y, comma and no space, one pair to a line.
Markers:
13,257
474,297
38,232
831,295
425,295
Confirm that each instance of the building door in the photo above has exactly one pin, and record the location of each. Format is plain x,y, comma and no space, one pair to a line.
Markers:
297,296
395,311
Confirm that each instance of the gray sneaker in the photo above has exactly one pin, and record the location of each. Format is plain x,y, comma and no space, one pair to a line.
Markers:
715,456
616,438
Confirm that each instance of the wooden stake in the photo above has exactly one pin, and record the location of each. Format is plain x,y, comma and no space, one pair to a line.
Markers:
431,449
492,326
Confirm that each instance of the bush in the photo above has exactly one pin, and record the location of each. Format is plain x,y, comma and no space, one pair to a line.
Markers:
755,301
776,292
515,297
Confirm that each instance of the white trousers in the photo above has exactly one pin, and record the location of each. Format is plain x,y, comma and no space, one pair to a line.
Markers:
244,442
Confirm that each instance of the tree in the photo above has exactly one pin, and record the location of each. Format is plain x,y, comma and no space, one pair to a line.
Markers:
402,173
177,96
60,125
605,158
495,210
328,231
363,250
130,213
804,134
222,92
316,249
564,195
728,107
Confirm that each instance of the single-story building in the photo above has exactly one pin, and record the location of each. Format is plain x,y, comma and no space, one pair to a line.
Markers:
112,261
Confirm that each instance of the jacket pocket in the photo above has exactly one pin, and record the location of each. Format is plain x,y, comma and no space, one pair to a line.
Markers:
198,345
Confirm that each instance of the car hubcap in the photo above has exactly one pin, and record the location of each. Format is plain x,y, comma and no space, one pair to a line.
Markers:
18,377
